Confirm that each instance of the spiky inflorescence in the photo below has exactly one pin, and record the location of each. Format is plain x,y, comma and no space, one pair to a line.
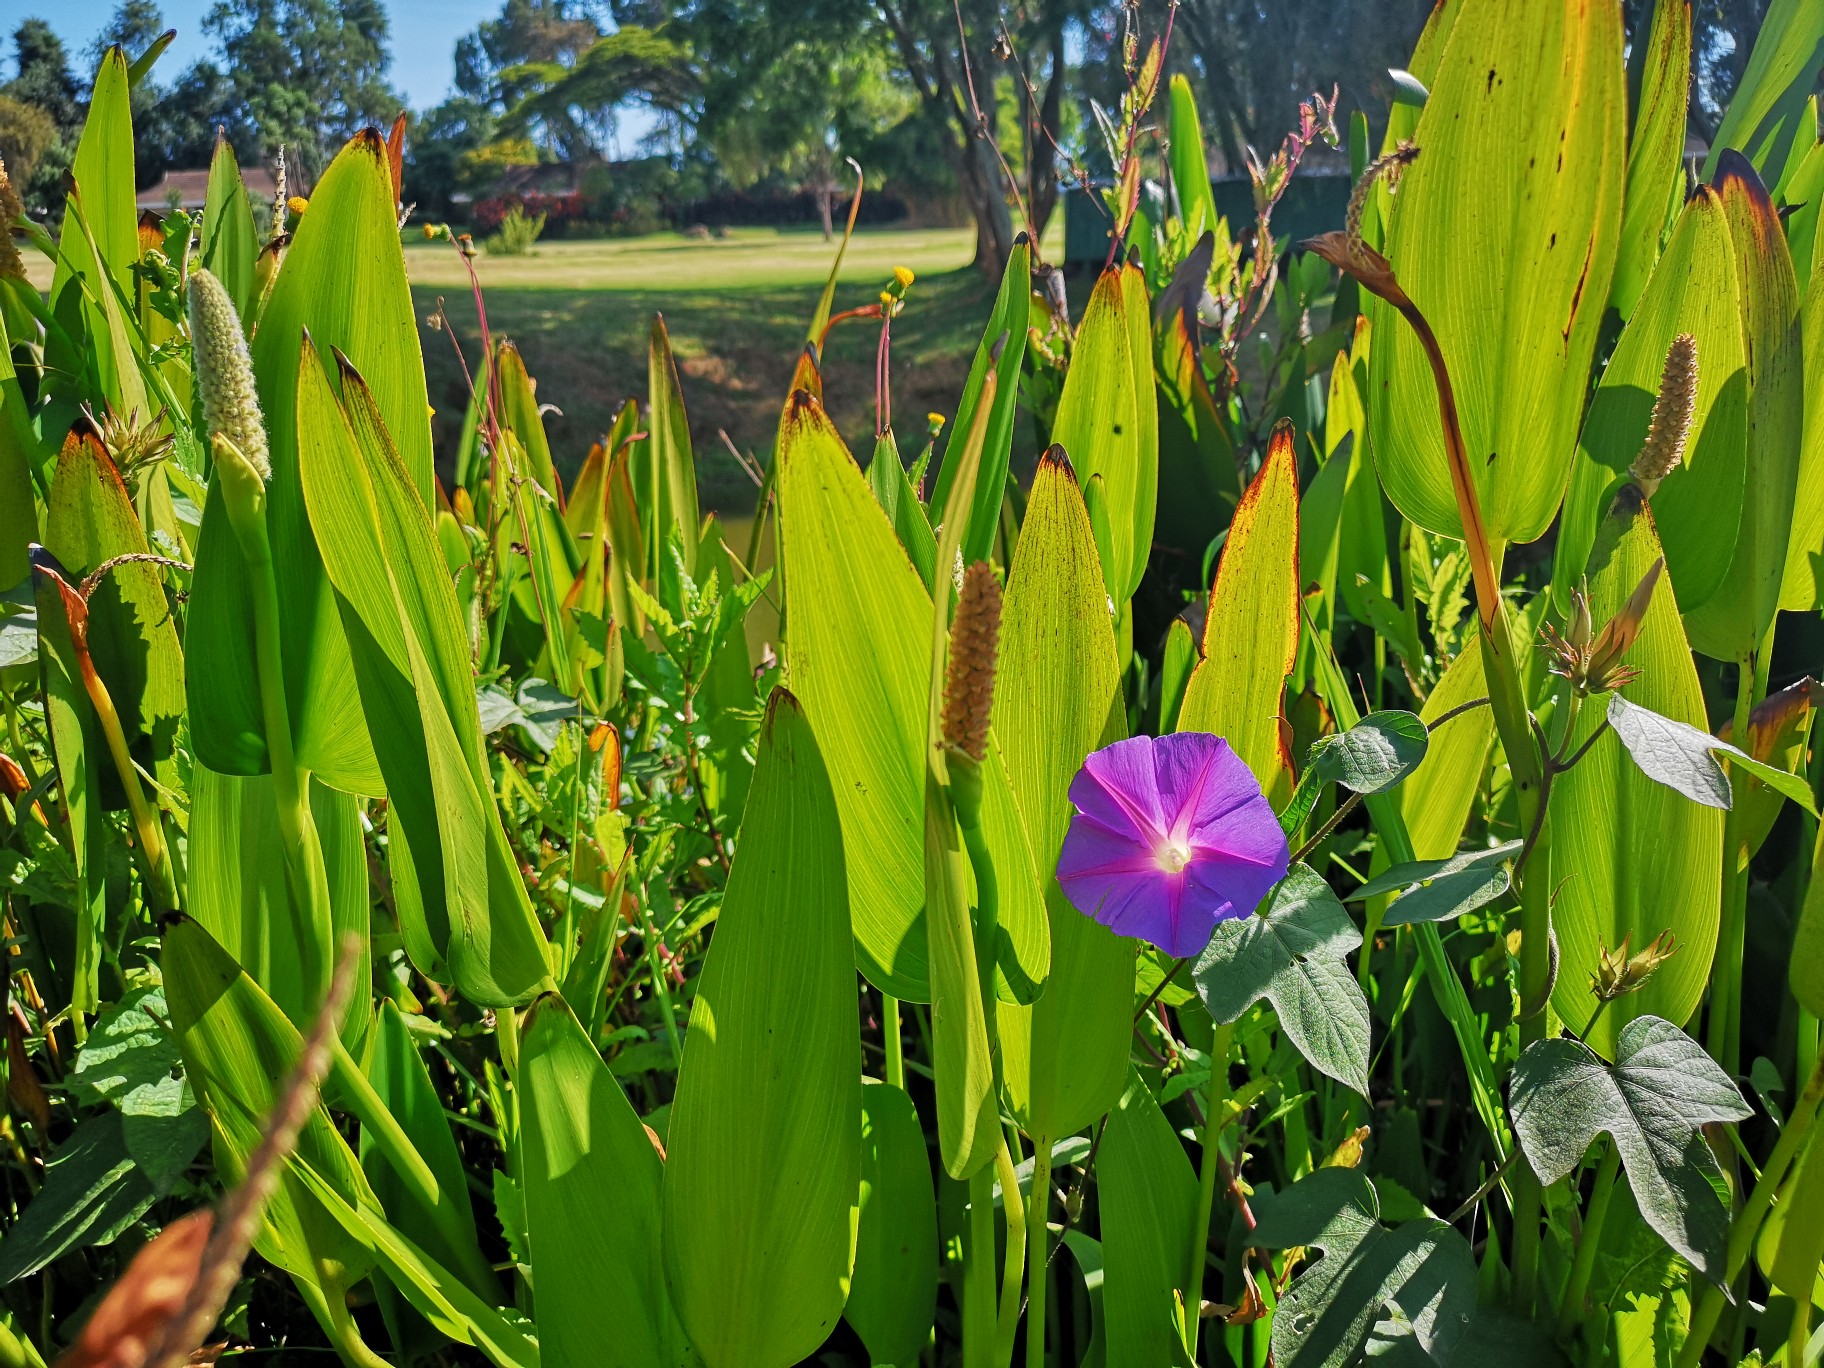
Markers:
11,266
224,371
975,640
1664,450
1389,165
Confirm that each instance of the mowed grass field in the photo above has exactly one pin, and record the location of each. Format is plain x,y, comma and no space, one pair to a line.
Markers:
737,310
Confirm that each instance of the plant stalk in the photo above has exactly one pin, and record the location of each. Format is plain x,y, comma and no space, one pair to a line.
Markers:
978,1273
1015,1268
1039,1259
1207,1178
1576,1287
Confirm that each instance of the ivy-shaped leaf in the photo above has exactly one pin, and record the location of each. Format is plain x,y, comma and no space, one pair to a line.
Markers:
1292,953
1652,1101
1680,756
1375,754
1439,890
1415,1283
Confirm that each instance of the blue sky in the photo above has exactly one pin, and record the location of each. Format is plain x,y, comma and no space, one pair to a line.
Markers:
424,34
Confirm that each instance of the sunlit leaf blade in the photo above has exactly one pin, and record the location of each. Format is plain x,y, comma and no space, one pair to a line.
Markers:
1802,587
1504,232
343,280
592,1182
1806,974
669,496
1190,173
238,1049
1728,624
1647,859
763,1167
1008,321
1148,1192
1653,1101
240,893
92,1192
1656,148
1058,697
1105,418
1292,953
893,1294
1436,800
1422,1269
1439,890
90,520
1698,508
229,243
19,455
858,656
1250,639
460,898
1767,112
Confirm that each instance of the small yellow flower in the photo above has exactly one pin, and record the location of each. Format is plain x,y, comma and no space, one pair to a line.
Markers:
903,276
297,204
886,299
936,420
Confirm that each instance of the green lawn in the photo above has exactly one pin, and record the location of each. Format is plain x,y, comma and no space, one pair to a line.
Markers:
737,310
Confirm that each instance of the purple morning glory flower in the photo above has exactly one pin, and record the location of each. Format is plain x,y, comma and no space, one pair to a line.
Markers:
1171,836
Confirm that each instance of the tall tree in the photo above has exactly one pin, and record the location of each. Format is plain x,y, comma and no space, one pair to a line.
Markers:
43,88
305,73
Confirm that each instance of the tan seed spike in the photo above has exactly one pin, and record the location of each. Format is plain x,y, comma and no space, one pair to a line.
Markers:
1664,450
224,371
1389,164
12,267
975,639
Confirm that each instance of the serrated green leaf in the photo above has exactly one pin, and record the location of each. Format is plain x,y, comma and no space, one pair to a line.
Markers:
1653,1102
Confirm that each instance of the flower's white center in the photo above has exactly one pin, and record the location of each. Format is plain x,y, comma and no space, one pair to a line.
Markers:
1173,854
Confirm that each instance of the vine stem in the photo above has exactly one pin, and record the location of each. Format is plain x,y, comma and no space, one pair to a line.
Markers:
1570,1307
1206,1183
1014,1271
978,1273
1038,1259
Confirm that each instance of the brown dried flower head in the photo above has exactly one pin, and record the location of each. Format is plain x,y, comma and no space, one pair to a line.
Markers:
1592,661
975,640
1664,450
1619,973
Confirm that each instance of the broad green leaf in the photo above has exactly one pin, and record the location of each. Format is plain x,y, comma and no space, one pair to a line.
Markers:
1105,420
1361,549
671,475
887,478
1250,638
1504,232
1683,757
92,1193
1645,859
80,755
760,1215
239,890
457,885
1435,801
1377,753
1058,697
1007,321
229,242
1768,110
238,1049
1656,148
1729,623
1441,890
1190,173
592,1191
404,1088
1332,1311
1199,483
343,281
1175,673
1293,953
437,1294
1653,1102
131,1060
1801,1228
893,1295
132,630
1698,508
19,455
1148,1193
1320,528
858,656
1802,587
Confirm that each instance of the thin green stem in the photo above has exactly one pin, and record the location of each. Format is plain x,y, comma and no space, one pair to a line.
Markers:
1589,1241
1015,1269
1038,1209
1214,1100
655,968
896,1048
978,1273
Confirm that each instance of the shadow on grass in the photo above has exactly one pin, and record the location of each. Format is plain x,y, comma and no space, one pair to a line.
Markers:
735,352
